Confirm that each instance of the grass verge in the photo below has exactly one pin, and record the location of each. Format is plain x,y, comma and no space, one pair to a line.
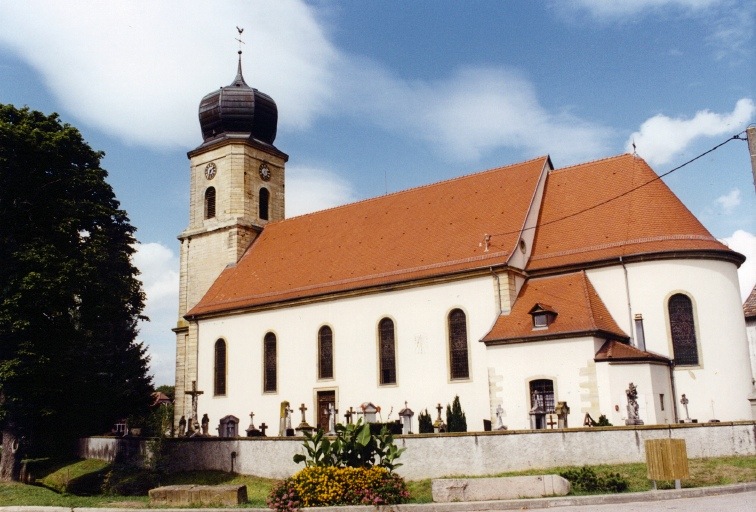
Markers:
54,481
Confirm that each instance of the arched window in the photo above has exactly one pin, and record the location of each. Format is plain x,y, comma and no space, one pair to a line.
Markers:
264,200
210,203
387,351
683,330
270,362
325,353
219,385
458,345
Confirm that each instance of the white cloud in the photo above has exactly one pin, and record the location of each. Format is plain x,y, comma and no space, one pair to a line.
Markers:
160,279
744,243
135,69
309,189
729,202
474,111
618,8
661,138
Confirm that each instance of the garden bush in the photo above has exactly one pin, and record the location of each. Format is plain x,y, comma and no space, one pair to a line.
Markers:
587,480
317,486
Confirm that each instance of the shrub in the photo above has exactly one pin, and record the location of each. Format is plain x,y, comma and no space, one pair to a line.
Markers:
587,480
603,421
318,486
455,417
425,423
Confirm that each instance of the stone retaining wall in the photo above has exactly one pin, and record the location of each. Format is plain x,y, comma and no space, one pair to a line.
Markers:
468,454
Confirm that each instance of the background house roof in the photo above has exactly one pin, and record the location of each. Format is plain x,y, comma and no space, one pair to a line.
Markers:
594,211
435,230
749,307
579,312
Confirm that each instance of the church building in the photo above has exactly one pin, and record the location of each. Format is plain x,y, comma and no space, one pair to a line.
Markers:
514,288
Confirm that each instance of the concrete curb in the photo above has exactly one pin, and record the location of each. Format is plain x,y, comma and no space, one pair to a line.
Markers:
469,506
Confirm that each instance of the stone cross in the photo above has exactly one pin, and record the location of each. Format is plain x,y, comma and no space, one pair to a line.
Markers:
251,421
302,409
551,423
684,402
348,416
195,395
439,408
263,428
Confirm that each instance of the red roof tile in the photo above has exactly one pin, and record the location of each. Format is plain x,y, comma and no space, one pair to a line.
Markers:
423,232
595,211
614,350
749,307
579,309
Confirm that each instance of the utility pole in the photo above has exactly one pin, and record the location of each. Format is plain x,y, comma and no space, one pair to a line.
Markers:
751,132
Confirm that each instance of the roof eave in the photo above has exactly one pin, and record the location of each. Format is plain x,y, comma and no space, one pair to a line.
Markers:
594,333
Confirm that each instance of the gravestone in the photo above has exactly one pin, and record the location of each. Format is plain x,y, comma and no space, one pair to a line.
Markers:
228,426
406,416
369,410
562,411
348,416
500,418
284,422
439,425
303,425
251,430
684,401
332,412
537,412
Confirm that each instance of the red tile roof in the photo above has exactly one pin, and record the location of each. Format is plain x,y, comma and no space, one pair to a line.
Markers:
617,351
595,211
435,230
749,307
580,312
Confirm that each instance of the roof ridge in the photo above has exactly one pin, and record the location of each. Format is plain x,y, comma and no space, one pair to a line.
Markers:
598,160
418,187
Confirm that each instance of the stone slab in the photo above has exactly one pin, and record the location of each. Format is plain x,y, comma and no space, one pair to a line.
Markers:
198,495
447,490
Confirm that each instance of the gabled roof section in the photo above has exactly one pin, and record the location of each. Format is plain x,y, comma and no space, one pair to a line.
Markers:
749,307
616,351
580,312
434,230
595,212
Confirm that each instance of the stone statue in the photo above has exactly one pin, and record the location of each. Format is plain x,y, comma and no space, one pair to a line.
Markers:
182,427
632,406
331,419
500,418
205,424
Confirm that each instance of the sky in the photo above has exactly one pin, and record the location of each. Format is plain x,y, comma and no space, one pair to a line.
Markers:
375,97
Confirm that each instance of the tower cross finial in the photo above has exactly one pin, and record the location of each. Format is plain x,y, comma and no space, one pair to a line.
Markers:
240,30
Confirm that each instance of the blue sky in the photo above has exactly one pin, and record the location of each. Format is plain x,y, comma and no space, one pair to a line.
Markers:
383,96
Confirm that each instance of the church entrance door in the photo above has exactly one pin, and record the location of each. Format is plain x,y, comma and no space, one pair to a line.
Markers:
324,399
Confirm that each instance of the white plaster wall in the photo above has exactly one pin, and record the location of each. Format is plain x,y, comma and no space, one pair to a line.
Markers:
719,386
650,381
436,456
420,320
751,334
569,363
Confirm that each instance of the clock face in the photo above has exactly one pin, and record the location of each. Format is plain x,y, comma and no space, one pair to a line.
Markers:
264,172
210,171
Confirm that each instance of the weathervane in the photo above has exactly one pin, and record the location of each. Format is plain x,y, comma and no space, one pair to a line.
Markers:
240,30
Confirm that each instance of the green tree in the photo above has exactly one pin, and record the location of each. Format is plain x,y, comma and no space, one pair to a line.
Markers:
455,417
70,300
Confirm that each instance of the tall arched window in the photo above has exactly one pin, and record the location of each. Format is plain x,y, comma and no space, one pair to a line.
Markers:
325,353
387,350
683,330
458,345
219,383
210,203
264,200
270,364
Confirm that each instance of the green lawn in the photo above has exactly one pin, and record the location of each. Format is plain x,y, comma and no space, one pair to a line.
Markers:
61,484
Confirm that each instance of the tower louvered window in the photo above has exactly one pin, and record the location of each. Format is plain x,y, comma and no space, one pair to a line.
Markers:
219,385
270,383
458,345
325,353
264,203
387,351
210,203
683,330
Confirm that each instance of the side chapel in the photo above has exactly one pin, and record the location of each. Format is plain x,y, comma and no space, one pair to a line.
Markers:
515,288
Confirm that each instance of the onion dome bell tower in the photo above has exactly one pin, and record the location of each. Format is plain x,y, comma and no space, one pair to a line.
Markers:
236,188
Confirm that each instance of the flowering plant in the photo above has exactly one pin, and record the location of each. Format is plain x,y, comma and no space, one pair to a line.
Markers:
316,486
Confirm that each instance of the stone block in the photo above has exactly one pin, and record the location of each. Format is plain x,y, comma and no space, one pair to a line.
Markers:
446,490
198,495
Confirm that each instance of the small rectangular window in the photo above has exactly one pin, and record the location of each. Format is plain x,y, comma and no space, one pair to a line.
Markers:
661,401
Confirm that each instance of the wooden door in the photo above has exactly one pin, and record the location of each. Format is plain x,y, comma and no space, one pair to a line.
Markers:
324,399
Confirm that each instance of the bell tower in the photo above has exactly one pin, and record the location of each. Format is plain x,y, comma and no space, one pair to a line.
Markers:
236,188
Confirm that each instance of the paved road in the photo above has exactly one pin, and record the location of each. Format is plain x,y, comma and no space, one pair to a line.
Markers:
739,502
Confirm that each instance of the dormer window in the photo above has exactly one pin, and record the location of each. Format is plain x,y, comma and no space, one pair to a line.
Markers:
542,315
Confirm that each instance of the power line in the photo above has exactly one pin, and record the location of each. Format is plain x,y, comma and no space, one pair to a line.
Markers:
737,136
